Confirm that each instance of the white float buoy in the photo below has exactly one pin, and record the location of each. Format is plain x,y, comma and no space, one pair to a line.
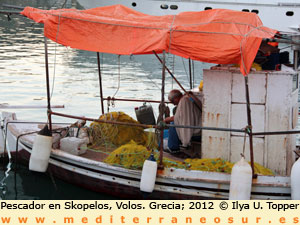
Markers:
41,150
240,181
295,181
148,174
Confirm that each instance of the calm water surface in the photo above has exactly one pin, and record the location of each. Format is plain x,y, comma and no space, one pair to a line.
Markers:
76,86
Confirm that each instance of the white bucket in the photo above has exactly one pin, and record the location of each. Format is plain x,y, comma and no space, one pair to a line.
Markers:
41,150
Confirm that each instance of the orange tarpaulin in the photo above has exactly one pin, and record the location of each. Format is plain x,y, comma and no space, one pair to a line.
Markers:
216,36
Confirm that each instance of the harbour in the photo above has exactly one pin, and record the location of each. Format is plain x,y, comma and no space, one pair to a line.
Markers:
73,160
22,66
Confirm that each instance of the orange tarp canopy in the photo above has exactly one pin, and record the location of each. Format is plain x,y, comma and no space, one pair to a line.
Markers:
216,36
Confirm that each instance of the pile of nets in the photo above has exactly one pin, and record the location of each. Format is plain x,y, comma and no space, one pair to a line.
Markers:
214,165
116,135
134,143
221,165
133,155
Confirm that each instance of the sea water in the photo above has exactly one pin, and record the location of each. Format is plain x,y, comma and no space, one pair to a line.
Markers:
74,83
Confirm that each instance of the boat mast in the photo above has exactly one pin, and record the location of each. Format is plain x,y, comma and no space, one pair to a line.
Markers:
48,85
190,71
162,109
190,94
249,128
100,82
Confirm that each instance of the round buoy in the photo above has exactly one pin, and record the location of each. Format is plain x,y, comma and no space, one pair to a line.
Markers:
240,181
148,174
295,181
41,150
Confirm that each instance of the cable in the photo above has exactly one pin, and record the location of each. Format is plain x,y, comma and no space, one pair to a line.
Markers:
54,67
119,77
186,73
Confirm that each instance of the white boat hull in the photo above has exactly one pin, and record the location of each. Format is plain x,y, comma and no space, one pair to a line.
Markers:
170,183
279,15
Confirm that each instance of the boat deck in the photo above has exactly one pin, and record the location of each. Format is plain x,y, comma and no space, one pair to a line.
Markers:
24,130
101,154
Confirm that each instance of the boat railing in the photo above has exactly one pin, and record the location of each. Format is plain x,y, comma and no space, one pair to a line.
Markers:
163,125
132,100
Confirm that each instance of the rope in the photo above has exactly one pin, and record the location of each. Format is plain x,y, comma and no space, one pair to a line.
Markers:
155,28
119,76
173,70
151,138
171,29
55,47
64,4
148,76
243,154
3,186
186,73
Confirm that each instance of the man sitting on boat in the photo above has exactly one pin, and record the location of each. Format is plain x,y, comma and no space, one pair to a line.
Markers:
187,114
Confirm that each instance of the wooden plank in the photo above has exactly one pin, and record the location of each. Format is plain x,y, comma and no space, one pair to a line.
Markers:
257,88
279,116
216,113
239,117
237,145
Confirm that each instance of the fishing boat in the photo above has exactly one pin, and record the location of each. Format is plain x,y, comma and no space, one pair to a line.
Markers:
285,10
123,31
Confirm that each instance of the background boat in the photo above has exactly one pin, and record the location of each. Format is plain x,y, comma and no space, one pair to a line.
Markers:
277,14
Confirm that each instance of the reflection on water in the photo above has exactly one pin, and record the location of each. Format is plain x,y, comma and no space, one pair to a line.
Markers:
33,185
76,86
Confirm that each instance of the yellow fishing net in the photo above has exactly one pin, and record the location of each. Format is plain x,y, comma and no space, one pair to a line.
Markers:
259,169
135,143
214,165
116,135
132,156
220,165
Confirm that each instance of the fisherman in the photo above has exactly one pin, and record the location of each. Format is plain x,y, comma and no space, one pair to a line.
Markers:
268,55
187,113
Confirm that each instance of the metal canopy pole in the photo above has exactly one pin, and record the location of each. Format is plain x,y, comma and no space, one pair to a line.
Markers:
249,126
190,94
100,82
162,109
190,71
48,85
296,56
